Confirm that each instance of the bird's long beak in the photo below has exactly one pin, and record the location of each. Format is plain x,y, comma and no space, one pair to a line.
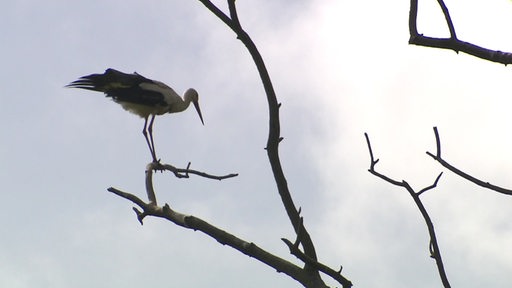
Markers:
196,105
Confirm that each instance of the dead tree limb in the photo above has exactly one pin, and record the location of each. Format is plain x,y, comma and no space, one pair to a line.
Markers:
178,172
191,222
462,174
435,253
274,137
250,249
451,43
185,173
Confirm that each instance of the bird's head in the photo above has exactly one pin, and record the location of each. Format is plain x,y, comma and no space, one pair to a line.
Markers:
192,96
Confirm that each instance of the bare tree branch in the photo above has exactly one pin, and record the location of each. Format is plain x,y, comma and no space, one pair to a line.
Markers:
274,137
462,174
178,172
448,19
248,248
452,43
191,222
223,237
184,173
433,247
336,275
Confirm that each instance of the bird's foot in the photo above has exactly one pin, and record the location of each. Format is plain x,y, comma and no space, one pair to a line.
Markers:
154,159
158,166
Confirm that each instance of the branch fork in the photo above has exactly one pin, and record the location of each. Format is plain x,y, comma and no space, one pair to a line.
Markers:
461,173
452,43
433,246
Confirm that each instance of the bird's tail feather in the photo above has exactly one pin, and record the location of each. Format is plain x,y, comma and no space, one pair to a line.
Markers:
95,82
111,79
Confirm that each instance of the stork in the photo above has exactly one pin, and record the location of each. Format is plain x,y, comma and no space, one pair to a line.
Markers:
141,96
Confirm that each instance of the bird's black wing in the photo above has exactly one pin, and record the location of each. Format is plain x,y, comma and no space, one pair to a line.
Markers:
121,87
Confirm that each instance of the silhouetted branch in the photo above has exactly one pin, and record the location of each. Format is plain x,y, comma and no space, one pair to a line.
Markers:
184,173
274,137
234,14
453,42
178,172
462,174
433,247
431,186
448,19
223,237
336,275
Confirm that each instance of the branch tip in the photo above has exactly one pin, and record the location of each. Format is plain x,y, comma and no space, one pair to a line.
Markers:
461,173
339,271
438,142
299,232
140,215
372,160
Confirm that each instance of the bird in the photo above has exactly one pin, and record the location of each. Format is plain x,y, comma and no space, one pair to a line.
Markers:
142,96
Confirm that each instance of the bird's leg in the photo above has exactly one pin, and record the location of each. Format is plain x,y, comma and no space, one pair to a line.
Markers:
144,131
150,130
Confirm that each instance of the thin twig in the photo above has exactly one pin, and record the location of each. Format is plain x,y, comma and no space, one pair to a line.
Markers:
462,174
217,12
184,173
434,247
178,172
431,186
452,43
336,275
448,19
234,14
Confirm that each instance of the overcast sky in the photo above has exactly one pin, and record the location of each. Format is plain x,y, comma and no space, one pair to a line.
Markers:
340,68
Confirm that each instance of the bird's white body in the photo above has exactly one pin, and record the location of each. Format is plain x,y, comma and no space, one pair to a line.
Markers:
139,95
142,110
174,102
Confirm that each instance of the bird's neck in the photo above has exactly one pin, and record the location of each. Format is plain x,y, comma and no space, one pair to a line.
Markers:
179,106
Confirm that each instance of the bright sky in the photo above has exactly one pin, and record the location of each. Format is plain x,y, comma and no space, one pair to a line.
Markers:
340,68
